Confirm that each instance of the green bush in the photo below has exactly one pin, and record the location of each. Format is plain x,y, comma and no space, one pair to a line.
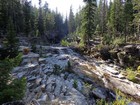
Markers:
131,74
107,39
65,43
101,102
75,84
81,44
120,100
138,69
33,47
118,41
14,91
57,69
68,68
10,89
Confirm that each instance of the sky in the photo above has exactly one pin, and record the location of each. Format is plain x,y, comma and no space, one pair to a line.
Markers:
63,6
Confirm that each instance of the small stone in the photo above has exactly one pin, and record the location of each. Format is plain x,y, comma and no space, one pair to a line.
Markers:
43,98
31,79
38,81
42,60
43,87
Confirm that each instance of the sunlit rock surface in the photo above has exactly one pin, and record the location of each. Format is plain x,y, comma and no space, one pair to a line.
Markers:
50,82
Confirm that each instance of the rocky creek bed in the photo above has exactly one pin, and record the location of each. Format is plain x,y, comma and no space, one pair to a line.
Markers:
63,77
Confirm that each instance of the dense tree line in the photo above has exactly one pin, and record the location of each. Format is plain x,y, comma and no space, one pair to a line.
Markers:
114,18
30,20
117,18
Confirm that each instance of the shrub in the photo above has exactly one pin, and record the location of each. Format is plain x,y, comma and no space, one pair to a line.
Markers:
99,47
17,60
11,44
57,69
81,44
65,43
75,85
11,90
131,74
33,47
138,69
101,102
107,39
118,41
68,68
26,51
14,91
120,100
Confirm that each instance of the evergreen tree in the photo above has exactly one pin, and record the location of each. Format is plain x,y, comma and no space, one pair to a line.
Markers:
27,17
3,16
58,26
116,17
78,20
71,22
128,17
40,20
50,22
88,21
11,44
66,26
45,8
136,21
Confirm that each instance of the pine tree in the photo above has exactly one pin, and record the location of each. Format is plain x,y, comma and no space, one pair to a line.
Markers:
71,22
40,20
50,22
66,26
136,20
116,17
12,43
3,16
27,17
128,17
58,26
88,21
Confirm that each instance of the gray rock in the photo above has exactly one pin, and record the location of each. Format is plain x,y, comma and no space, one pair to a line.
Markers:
110,69
42,60
37,90
31,79
49,88
17,69
98,93
51,79
58,87
76,97
64,89
133,103
43,86
51,96
43,98
38,81
20,75
69,84
79,85
35,102
48,71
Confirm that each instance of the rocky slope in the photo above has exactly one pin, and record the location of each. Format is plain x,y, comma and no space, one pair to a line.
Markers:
63,77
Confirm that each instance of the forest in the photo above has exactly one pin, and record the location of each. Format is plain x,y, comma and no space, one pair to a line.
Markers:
91,57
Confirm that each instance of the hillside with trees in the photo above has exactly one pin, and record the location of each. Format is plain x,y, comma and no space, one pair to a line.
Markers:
91,57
